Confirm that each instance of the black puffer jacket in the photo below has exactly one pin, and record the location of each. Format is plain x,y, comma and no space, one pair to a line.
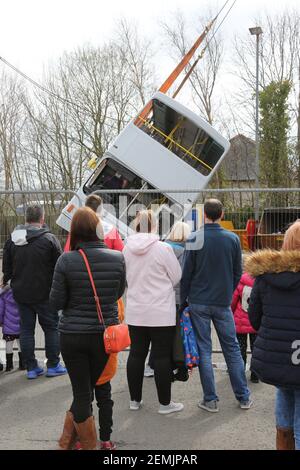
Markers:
72,291
274,311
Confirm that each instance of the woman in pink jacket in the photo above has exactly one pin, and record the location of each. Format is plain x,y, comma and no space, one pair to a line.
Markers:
239,306
152,272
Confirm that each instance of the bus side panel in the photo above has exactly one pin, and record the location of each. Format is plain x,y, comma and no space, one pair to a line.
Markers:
157,165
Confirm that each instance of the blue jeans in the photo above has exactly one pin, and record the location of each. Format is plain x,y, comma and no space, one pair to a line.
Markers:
222,318
48,319
288,412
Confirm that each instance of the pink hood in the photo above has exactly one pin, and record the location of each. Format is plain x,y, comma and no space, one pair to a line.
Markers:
140,243
152,272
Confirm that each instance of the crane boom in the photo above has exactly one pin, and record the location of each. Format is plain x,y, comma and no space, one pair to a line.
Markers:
177,71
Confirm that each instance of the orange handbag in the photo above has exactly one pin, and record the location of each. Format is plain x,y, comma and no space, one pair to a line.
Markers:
116,337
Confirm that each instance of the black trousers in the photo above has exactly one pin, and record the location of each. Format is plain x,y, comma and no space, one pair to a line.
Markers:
177,332
85,359
105,406
162,344
243,341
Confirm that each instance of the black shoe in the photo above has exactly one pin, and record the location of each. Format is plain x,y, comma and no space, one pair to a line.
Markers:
9,362
254,379
1,367
182,375
21,362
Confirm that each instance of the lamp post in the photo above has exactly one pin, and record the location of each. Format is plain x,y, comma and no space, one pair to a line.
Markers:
257,31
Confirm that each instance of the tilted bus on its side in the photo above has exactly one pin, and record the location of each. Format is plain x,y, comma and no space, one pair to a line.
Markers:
172,148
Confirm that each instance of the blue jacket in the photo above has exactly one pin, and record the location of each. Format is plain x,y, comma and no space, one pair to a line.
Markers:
178,249
211,272
274,311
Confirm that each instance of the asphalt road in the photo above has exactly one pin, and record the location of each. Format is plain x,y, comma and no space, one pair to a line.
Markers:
32,413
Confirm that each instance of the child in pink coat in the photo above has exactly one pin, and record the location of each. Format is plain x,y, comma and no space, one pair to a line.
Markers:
239,306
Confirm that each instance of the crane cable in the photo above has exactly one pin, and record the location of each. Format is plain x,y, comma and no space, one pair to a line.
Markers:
200,56
49,92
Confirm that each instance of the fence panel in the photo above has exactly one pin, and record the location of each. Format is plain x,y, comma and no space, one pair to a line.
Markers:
277,210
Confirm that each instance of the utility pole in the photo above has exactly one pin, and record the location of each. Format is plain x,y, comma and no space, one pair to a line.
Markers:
257,31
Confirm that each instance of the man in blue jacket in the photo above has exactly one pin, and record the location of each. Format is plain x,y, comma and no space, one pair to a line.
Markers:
210,275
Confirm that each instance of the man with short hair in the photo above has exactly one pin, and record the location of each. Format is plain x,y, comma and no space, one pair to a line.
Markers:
112,238
210,275
29,258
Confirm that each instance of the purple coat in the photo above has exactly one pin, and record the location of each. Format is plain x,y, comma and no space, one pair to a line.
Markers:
9,314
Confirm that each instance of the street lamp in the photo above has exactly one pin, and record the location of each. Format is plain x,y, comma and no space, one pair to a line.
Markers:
257,31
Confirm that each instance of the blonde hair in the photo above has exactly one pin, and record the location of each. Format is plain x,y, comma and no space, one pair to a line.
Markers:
180,232
292,237
145,222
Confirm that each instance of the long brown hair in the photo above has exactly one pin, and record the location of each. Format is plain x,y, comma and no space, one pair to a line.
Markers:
145,222
85,227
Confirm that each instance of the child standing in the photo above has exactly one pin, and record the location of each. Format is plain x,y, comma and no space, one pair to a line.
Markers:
239,306
10,321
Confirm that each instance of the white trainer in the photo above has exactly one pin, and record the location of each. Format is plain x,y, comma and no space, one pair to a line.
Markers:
148,372
171,408
135,405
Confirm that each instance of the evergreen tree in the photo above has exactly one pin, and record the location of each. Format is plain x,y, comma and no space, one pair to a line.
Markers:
274,127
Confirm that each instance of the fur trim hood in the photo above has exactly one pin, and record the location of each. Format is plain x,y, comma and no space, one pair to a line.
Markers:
271,261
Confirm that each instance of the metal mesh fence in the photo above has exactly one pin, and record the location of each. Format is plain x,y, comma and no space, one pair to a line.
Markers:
277,210
260,217
13,205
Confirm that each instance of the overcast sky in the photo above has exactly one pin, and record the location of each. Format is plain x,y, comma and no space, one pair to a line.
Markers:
36,32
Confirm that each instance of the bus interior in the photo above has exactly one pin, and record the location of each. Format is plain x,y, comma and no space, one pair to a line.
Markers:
181,136
111,175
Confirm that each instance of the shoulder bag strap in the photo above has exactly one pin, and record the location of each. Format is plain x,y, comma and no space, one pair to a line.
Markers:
97,300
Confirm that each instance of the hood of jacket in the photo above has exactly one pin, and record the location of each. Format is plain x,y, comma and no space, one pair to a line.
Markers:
141,243
4,289
24,234
281,269
247,280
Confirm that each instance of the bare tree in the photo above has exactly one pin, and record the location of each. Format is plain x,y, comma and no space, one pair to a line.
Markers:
202,81
136,52
280,61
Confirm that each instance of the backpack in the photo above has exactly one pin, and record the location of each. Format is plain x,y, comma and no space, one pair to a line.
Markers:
189,341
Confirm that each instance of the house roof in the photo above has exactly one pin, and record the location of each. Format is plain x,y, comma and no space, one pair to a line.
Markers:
239,163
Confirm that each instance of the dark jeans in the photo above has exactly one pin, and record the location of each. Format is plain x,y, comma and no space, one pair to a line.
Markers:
287,411
85,359
48,319
105,405
162,344
243,340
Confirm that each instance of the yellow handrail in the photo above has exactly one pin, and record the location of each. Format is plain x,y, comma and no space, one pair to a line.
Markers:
174,142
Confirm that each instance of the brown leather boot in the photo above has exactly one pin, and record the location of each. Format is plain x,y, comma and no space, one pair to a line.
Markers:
285,439
69,435
87,434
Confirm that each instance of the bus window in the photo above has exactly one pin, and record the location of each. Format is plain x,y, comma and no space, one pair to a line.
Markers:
182,137
112,175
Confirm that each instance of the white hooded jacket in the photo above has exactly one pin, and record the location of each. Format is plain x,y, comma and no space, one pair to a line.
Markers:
152,271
